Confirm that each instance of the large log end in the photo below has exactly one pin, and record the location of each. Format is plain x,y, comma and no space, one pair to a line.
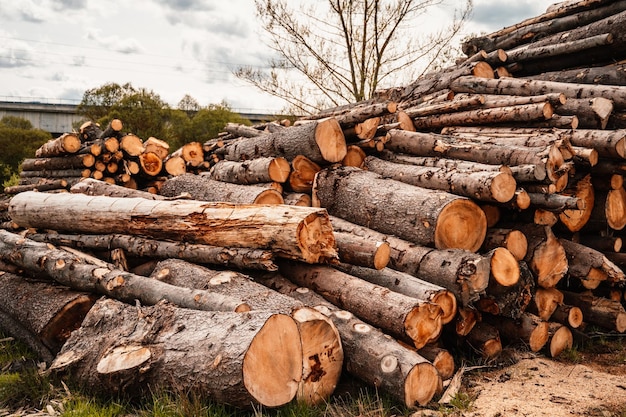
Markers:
423,324
331,140
421,384
461,224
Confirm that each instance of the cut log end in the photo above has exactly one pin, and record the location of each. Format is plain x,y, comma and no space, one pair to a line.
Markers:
575,317
504,267
517,244
561,340
461,225
421,384
279,170
270,196
331,140
539,336
316,240
447,301
503,187
272,366
382,255
423,324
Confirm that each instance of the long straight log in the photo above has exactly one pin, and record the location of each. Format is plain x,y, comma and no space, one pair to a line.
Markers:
587,264
608,74
370,354
404,317
92,187
239,359
254,171
296,232
426,217
600,311
79,273
67,143
240,258
57,163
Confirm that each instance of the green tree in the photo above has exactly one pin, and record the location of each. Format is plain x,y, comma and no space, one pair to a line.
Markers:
18,141
209,121
97,102
143,113
340,51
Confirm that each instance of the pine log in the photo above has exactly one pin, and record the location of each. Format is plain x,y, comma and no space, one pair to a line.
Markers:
67,143
92,187
61,173
451,106
231,358
321,141
560,338
321,343
240,258
131,145
254,171
371,355
554,50
49,312
600,311
43,184
528,329
426,217
513,240
592,113
489,186
290,231
513,86
157,146
408,285
464,273
202,187
484,338
590,266
546,256
402,316
614,74
57,163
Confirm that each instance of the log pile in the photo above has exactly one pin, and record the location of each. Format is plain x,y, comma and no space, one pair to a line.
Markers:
477,208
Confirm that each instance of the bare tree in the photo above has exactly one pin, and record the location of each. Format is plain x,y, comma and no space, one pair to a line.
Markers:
341,51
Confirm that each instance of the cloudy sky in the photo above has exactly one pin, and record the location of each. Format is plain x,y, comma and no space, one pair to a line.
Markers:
53,50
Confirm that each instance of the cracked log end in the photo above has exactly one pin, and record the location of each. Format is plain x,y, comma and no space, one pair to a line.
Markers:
461,224
421,384
423,324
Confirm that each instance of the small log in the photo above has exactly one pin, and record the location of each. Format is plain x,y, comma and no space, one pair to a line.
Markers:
592,113
240,258
560,338
202,187
92,187
113,129
528,329
512,300
256,357
361,251
568,315
254,171
131,145
303,174
404,317
484,338
151,164
67,143
545,302
600,311
240,130
441,359
89,131
61,173
297,199
296,232
614,74
58,163
513,240
434,218
408,285
157,146
466,319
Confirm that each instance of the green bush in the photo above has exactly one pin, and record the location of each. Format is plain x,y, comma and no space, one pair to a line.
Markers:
18,141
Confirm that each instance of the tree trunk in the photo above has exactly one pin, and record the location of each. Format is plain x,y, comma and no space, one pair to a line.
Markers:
290,231
426,217
591,113
464,273
371,355
555,50
321,141
67,143
297,199
408,285
600,311
175,165
451,106
49,312
78,272
321,343
590,266
484,186
303,174
404,317
254,171
240,258
614,74
202,187
608,143
236,359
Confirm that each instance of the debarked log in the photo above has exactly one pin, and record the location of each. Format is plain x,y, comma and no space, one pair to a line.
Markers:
241,359
290,231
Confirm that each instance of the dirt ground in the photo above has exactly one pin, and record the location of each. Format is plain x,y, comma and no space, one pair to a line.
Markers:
592,384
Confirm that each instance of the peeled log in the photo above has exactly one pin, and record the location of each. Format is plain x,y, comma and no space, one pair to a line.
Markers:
202,187
232,358
295,232
404,317
370,354
426,217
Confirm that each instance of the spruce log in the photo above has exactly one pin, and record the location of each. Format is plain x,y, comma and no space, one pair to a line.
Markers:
254,171
43,184
290,231
202,187
240,258
464,273
67,143
600,311
409,285
402,316
371,355
426,217
49,312
321,343
321,141
78,271
491,186
238,359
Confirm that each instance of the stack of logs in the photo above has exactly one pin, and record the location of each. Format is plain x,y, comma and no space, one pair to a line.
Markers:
476,207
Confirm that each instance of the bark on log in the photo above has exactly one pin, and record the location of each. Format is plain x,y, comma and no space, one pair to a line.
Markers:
58,162
240,258
254,171
113,129
591,113
232,358
509,301
44,184
49,312
590,266
371,355
89,131
491,186
402,316
441,359
513,240
528,329
202,187
357,250
426,217
608,143
408,285
560,338
555,50
600,311
609,74
295,232
484,338
321,344
451,106
92,187
464,273
67,143
321,141
568,315
80,273
61,173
